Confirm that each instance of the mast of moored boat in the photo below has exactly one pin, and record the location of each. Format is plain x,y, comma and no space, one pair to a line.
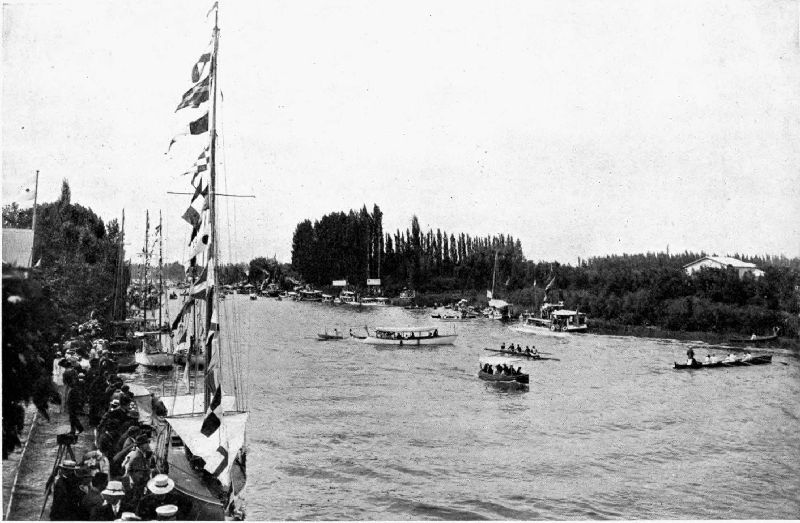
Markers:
160,269
494,272
146,290
212,236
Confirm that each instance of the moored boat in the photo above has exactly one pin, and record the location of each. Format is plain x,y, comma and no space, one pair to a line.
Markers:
409,336
754,339
325,336
553,320
377,301
201,444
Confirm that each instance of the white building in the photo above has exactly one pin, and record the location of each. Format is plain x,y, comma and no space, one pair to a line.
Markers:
723,262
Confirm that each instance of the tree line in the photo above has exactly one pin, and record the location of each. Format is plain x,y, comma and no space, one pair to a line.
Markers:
76,275
649,289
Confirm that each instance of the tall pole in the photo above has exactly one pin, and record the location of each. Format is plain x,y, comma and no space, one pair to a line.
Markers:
33,222
146,289
160,268
212,237
494,272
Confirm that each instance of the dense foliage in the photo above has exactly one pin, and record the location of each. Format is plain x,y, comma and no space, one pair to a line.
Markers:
75,277
642,289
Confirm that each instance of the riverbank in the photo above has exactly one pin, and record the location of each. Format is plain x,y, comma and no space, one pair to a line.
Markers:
607,327
711,338
26,471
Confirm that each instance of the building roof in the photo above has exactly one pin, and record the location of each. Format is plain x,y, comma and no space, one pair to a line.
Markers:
17,247
726,261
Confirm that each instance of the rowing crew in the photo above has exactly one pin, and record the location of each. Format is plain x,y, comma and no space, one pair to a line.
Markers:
519,350
711,359
507,370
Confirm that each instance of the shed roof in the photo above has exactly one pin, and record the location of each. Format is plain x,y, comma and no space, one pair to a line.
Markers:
17,247
726,261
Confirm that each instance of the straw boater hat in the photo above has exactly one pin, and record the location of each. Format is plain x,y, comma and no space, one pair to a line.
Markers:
114,488
160,484
166,511
68,464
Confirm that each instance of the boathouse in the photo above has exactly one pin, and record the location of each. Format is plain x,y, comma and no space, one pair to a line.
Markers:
723,262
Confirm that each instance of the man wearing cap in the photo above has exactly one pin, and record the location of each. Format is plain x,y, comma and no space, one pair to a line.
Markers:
92,499
160,491
113,501
136,466
66,493
75,401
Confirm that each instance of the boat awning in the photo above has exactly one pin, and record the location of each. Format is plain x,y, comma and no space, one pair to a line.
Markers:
193,404
406,329
230,437
498,304
564,312
501,360
139,334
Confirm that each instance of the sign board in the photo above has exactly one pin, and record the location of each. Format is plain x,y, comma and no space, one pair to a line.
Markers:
373,281
339,283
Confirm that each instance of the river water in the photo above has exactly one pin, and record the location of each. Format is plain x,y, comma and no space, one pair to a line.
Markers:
343,430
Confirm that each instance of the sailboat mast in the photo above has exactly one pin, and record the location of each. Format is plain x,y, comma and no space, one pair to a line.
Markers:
212,237
119,300
33,219
494,272
160,268
146,289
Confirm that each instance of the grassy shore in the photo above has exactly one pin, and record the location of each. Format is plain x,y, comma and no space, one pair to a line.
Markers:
599,326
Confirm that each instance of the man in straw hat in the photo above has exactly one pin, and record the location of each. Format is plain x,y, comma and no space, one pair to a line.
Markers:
167,513
160,492
113,501
66,493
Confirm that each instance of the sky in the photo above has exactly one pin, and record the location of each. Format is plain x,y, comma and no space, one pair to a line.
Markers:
580,128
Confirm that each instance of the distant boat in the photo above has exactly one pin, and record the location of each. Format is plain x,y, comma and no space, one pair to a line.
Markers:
253,296
348,298
413,336
310,295
370,301
455,315
151,355
755,360
526,355
328,337
757,339
553,320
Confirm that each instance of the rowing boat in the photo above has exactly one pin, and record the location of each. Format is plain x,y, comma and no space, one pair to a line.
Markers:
755,360
328,337
530,356
754,339
501,378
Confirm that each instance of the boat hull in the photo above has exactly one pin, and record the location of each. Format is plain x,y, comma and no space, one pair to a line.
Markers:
756,360
757,339
541,331
329,337
523,379
412,342
155,360
521,354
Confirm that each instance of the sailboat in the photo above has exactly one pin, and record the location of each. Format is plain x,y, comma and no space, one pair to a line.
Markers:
151,353
200,443
498,309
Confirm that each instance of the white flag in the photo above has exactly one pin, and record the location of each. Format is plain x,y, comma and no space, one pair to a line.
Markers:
26,191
